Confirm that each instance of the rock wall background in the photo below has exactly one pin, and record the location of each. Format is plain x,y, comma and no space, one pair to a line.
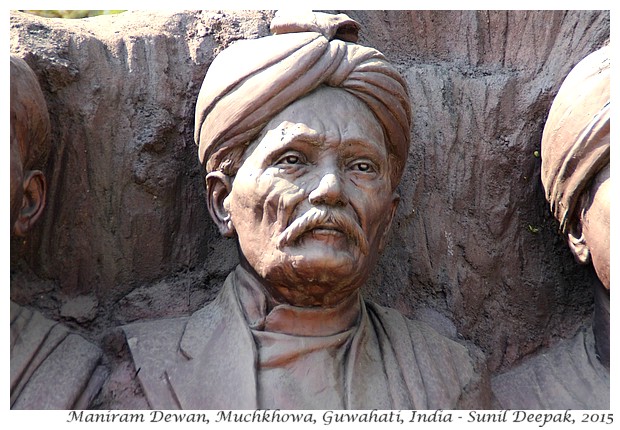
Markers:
474,249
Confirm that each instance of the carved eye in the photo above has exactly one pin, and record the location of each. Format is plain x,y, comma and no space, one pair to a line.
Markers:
363,167
290,159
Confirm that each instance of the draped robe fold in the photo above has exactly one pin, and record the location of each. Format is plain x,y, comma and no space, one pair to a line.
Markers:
210,360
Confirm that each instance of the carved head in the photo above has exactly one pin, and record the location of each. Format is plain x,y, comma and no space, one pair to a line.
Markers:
30,127
304,137
575,161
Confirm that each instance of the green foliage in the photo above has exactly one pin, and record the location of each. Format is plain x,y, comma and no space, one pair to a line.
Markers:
71,13
533,229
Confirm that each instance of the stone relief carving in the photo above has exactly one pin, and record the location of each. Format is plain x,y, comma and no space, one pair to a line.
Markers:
576,177
50,365
473,243
303,136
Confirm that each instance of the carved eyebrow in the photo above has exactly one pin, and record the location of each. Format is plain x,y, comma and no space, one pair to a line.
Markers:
368,146
312,137
291,138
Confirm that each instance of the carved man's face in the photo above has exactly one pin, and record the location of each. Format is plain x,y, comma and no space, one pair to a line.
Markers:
312,202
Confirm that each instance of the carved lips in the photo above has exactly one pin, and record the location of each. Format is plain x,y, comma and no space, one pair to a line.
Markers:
323,222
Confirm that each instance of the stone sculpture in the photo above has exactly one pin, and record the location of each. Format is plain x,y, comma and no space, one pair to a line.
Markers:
51,367
576,176
304,135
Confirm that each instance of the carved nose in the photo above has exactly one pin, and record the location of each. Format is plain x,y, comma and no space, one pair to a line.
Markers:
329,192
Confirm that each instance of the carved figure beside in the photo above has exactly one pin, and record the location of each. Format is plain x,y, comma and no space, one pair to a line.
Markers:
304,136
50,365
576,176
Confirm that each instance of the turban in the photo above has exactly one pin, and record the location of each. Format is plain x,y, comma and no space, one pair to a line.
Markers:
253,80
575,140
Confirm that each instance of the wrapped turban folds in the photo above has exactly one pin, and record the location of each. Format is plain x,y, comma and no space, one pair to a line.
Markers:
253,80
575,142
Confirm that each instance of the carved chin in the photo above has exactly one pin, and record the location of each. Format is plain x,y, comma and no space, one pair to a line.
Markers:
334,269
306,282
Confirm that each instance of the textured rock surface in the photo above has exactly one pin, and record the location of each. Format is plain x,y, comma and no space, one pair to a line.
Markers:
473,248
474,236
126,204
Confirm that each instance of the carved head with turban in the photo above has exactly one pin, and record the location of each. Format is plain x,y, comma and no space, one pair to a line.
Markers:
251,81
575,168
304,135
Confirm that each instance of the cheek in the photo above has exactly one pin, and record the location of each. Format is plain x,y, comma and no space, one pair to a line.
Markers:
269,198
599,250
16,170
373,210
16,187
382,220
596,225
16,184
598,236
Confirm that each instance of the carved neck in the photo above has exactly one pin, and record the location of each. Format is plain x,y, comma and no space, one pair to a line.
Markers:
601,322
263,315
299,297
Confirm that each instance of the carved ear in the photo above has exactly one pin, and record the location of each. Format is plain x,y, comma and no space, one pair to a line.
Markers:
219,186
577,243
33,202
384,236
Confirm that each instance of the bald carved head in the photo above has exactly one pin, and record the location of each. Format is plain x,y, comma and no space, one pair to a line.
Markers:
30,128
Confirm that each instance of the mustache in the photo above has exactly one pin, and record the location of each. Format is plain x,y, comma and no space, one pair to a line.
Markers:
323,218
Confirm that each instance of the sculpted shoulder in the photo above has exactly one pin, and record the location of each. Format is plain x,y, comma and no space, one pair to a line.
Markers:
565,376
454,373
154,347
51,366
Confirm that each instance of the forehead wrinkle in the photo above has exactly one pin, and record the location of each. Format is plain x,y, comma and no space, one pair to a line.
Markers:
301,132
290,132
368,145
343,134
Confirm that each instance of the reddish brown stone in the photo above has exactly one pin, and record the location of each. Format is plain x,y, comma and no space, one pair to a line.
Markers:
472,239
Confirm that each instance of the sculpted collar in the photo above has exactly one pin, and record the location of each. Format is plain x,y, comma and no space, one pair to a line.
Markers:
210,360
293,320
